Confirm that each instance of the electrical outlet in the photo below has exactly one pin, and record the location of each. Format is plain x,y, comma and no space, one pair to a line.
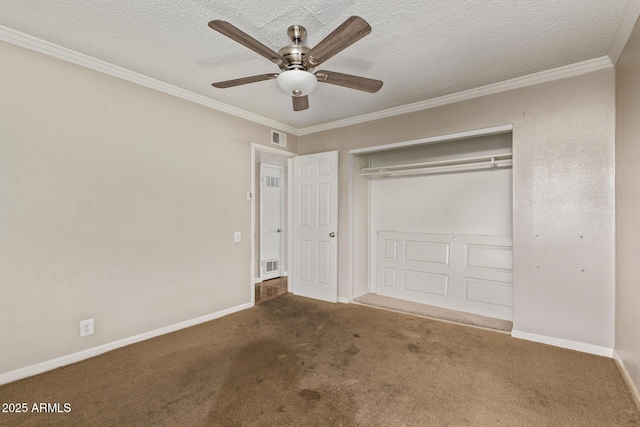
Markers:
86,327
237,237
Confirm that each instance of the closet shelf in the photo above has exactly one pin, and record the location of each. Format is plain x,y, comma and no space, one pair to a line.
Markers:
455,165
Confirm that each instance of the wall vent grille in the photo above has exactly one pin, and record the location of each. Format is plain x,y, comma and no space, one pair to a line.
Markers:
271,266
271,181
279,138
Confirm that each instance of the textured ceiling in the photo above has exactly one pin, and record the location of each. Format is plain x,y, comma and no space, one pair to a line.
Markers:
420,49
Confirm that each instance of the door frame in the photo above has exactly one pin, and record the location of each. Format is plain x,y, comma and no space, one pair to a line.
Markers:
251,196
281,169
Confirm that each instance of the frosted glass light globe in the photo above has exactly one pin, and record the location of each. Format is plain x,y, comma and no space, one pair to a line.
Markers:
297,82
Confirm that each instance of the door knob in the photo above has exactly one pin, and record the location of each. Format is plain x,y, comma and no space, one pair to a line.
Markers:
332,234
279,230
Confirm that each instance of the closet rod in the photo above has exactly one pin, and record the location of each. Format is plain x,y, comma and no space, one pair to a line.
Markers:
472,163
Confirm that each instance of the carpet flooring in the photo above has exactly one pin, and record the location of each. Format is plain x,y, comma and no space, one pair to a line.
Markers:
292,361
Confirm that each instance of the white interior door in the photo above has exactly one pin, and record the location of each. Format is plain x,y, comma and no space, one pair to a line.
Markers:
271,221
315,226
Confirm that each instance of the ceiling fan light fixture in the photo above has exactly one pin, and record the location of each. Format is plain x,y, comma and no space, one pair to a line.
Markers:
297,82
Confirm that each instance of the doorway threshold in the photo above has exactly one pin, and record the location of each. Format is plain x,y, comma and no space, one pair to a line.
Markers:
270,289
439,313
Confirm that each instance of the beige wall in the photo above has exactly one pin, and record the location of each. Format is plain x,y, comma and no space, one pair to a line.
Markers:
563,207
628,206
117,203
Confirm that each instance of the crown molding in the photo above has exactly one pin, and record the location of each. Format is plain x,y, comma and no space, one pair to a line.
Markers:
519,82
626,28
42,46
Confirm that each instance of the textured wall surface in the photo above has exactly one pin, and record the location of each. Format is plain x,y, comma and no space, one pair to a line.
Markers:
563,195
628,206
476,202
119,204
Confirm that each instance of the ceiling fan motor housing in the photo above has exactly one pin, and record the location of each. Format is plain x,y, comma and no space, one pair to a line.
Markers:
294,54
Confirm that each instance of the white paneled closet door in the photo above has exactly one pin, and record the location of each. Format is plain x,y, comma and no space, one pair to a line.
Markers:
459,272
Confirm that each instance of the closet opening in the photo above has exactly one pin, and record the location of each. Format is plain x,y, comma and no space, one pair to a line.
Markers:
432,228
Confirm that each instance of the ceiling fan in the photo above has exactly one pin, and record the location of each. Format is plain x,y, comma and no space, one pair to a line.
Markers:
297,61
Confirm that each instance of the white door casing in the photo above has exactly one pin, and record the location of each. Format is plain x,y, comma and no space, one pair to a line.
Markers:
271,221
314,272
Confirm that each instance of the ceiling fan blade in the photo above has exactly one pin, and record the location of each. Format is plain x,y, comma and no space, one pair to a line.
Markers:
351,30
347,80
300,102
244,80
244,39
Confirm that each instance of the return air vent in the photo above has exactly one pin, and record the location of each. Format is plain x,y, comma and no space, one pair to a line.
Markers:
271,181
279,138
271,265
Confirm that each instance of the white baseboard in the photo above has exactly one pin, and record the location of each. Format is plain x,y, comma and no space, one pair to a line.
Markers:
49,365
633,388
559,342
343,300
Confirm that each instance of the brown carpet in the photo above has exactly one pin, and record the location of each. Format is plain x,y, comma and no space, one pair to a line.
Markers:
298,362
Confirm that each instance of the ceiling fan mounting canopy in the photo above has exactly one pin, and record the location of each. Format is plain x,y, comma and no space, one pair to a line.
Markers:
297,61
297,33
